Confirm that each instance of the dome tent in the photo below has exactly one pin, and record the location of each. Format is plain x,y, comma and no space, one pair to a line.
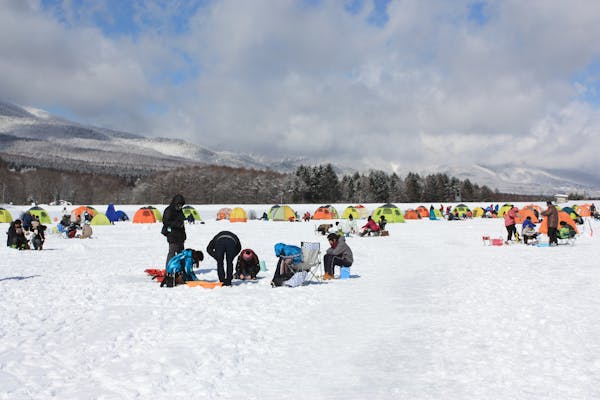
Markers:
357,212
223,213
144,216
391,212
5,215
326,212
238,214
41,214
100,219
189,210
281,213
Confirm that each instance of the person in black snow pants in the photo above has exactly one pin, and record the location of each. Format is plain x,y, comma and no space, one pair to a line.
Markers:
224,244
174,227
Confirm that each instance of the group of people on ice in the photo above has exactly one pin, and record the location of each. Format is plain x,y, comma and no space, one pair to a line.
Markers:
73,225
556,229
26,233
225,246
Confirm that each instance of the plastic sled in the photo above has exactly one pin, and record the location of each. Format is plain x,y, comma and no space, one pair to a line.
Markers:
204,284
155,272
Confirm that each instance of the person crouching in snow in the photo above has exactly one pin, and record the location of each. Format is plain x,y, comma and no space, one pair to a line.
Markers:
247,265
16,236
180,267
339,253
528,230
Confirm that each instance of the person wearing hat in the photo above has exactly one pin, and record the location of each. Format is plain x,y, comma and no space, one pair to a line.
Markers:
338,253
174,226
247,265
552,214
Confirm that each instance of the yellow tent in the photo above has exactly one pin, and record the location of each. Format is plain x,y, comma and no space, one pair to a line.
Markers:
238,214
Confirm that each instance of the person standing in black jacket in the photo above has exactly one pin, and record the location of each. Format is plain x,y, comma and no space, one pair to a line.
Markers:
224,244
174,226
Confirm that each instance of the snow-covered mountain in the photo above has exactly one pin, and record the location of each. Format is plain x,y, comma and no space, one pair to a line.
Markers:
29,136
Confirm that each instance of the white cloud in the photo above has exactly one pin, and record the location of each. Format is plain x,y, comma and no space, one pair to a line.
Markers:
284,79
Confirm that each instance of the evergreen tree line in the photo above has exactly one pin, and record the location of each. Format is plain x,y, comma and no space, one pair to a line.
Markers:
225,185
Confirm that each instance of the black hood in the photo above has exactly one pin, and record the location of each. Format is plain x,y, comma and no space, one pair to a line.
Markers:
178,200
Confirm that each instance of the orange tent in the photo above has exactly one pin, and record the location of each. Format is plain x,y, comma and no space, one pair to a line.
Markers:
523,214
583,210
562,216
423,212
223,213
325,212
411,214
81,209
144,216
534,207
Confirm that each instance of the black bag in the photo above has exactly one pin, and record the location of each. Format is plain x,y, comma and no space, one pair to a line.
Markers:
164,230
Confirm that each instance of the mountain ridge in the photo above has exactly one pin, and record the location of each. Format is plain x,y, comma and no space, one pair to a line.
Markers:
37,138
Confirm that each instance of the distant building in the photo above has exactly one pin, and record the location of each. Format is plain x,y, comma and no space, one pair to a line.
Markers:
561,198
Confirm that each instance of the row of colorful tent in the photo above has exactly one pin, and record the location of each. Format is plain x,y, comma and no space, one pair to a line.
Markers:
98,218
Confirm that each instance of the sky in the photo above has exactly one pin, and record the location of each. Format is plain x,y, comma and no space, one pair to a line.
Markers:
387,83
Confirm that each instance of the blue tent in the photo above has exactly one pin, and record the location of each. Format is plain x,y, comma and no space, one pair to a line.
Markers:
115,215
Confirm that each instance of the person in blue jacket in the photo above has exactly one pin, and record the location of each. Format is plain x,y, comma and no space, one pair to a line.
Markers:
528,230
287,254
185,262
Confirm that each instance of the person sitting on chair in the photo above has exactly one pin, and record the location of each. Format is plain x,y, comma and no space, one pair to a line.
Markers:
370,227
288,254
339,253
528,230
247,265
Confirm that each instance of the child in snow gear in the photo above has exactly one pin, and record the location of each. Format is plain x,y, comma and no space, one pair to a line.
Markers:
180,267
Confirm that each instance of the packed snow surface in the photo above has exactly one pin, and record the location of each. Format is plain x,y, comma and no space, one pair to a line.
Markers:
429,312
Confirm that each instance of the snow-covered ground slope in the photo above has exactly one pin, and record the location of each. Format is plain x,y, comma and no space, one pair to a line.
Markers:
429,313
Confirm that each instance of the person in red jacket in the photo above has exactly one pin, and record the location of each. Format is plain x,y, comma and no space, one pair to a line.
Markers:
370,227
247,265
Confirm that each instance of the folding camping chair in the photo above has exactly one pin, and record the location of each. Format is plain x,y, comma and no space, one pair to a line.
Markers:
310,266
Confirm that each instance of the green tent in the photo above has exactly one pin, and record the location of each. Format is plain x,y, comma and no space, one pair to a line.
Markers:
281,213
5,215
187,210
41,214
100,219
391,213
462,210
